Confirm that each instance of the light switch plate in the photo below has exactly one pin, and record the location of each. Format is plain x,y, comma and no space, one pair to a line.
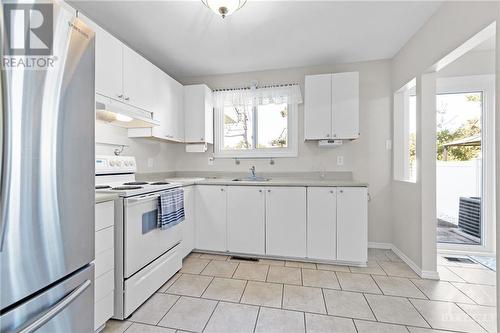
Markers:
340,160
211,160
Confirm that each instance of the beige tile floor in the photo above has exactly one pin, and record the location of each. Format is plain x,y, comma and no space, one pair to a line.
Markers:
214,294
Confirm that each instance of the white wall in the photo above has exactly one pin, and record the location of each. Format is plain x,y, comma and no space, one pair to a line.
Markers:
452,25
367,157
162,154
472,63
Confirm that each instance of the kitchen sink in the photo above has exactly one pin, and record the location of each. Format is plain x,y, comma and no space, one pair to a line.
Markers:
251,179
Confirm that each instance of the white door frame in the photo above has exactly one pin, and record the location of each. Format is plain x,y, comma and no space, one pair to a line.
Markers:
486,85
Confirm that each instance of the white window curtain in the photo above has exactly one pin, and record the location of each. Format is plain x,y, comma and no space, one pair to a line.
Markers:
247,101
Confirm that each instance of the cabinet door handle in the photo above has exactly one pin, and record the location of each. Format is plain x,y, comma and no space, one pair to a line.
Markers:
127,98
222,190
119,95
328,135
202,138
269,191
260,191
341,191
331,192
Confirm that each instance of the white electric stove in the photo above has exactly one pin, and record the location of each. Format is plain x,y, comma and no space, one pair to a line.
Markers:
116,174
146,256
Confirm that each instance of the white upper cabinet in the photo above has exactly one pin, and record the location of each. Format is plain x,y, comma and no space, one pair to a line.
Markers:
286,221
109,62
168,110
352,217
198,110
124,75
345,105
318,110
322,223
139,80
332,106
246,219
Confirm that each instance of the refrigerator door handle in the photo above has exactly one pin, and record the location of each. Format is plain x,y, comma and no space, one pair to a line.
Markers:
3,130
52,312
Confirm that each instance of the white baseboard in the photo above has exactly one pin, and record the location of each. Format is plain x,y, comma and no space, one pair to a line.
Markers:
383,246
388,246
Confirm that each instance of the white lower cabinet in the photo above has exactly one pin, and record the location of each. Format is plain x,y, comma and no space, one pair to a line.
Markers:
188,230
352,226
104,285
322,223
246,219
337,223
286,221
319,223
210,212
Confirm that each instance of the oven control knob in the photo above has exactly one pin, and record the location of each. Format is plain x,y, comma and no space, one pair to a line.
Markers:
112,163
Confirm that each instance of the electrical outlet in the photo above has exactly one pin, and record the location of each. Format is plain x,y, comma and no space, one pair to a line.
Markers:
150,162
340,160
388,144
211,160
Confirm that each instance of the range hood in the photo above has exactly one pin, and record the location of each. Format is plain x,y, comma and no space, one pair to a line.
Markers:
123,115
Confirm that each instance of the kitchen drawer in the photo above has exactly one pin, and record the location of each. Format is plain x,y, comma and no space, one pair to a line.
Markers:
103,285
103,310
142,285
104,262
104,240
104,215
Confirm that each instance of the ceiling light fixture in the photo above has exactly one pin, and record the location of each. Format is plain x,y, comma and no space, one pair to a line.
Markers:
224,7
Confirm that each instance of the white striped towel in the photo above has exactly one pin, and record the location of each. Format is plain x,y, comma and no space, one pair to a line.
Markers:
170,208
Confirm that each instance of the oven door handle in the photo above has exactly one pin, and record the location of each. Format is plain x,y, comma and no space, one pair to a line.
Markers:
143,198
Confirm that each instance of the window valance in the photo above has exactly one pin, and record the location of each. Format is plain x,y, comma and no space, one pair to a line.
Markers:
277,94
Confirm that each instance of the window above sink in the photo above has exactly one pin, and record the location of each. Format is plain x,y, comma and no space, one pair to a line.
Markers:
257,122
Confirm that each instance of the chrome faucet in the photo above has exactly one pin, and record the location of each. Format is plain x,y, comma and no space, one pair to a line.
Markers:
252,169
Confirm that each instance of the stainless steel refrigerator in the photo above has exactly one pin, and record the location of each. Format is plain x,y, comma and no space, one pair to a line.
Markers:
47,175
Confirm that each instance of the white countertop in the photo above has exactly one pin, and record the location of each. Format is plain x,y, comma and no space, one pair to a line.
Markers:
103,197
270,182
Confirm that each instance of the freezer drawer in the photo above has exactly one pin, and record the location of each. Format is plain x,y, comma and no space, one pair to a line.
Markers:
66,307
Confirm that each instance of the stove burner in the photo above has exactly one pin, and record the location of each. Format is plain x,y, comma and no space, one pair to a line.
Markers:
135,183
159,183
119,188
102,187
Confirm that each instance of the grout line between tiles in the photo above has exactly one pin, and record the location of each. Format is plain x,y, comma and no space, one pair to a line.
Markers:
474,320
244,289
256,320
421,315
370,306
426,296
177,300
209,318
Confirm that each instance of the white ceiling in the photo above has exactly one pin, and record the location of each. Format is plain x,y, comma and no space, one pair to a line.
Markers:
185,39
